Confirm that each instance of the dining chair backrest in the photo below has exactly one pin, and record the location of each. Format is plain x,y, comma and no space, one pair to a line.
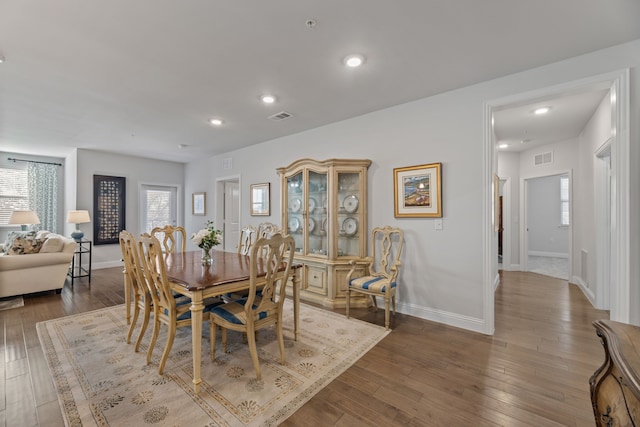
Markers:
155,272
171,237
132,265
386,248
267,229
271,258
248,236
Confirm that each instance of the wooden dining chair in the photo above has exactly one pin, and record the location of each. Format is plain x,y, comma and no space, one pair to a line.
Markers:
267,229
248,236
175,312
136,286
258,311
171,237
380,278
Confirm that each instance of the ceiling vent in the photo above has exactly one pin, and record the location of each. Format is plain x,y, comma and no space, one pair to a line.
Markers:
282,115
543,158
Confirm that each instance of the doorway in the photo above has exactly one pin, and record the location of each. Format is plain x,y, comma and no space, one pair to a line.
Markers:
617,83
158,206
547,229
228,209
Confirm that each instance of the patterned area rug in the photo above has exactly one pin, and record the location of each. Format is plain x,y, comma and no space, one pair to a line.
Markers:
11,302
101,381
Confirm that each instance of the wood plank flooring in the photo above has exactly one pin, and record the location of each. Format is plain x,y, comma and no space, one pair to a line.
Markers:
533,372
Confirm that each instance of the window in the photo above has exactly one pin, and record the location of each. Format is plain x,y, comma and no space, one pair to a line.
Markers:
14,186
564,200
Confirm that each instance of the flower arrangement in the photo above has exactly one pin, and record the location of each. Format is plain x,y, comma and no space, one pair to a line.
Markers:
208,237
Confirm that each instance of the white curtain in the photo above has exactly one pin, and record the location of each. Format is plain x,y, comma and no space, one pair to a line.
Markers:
43,194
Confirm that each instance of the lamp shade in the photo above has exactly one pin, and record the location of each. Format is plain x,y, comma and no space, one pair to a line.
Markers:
24,217
78,217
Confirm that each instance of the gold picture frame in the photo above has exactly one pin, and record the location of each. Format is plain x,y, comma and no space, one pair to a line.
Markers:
199,203
418,191
260,199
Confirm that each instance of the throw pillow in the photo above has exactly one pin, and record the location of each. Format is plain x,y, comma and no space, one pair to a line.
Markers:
53,243
16,234
25,246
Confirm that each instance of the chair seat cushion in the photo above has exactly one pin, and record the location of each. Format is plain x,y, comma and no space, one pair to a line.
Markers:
233,312
372,284
208,306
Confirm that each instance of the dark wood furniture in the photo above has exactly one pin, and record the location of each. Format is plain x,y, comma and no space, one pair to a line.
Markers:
615,386
228,273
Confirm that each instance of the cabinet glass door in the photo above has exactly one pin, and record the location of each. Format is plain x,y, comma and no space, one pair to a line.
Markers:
317,214
295,218
349,214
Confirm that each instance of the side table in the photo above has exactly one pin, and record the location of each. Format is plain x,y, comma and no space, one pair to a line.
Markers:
77,270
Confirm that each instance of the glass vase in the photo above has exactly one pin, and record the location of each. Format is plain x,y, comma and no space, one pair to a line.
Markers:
206,257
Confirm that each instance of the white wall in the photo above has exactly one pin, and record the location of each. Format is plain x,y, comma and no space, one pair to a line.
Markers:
442,276
593,136
137,171
545,235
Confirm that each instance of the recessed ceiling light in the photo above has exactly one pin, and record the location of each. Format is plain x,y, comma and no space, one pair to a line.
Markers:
268,99
541,110
215,122
503,146
354,61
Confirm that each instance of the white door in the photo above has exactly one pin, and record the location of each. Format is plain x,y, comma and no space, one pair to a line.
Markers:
158,207
231,215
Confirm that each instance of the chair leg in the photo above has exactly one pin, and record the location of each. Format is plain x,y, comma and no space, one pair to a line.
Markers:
224,339
167,348
348,301
254,354
143,327
154,336
375,301
212,339
136,312
281,340
387,304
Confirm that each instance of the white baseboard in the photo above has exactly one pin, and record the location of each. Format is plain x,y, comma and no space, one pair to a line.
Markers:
549,254
496,282
452,319
585,289
106,264
511,267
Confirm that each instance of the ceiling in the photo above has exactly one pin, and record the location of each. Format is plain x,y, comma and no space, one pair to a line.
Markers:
144,77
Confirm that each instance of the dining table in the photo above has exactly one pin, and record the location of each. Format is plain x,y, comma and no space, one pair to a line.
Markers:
228,272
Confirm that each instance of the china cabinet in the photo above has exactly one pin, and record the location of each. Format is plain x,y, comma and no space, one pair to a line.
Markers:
324,208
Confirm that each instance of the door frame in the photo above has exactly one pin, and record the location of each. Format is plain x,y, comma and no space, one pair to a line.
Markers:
618,84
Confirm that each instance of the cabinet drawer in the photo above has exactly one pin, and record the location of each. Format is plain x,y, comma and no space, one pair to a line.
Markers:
316,280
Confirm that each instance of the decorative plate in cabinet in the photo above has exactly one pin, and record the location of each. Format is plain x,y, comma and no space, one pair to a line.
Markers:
350,226
350,203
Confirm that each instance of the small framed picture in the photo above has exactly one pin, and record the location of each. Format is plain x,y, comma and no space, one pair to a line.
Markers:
418,191
199,203
260,199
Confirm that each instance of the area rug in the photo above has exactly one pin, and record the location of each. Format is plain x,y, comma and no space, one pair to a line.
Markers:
11,302
101,381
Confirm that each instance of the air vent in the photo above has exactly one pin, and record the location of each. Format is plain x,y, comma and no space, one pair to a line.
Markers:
281,116
543,158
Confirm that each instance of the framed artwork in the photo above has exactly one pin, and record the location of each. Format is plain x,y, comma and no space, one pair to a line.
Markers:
109,197
260,199
199,203
418,191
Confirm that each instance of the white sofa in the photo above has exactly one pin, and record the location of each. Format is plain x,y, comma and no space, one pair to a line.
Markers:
36,272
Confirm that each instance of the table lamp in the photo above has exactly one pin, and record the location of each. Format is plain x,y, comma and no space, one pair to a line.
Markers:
24,218
78,217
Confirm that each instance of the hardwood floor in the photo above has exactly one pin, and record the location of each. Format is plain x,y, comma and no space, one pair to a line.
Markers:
533,372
